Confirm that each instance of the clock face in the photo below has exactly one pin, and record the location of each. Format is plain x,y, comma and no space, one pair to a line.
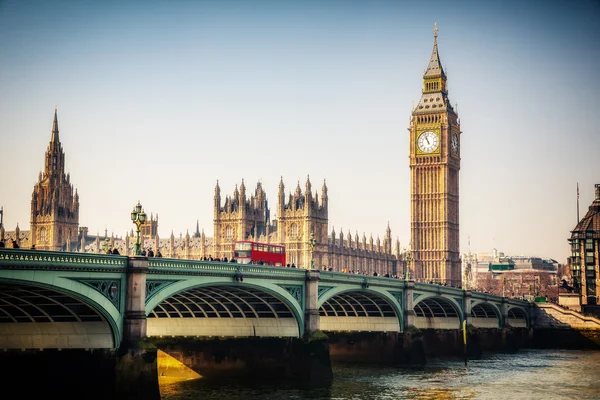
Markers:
428,142
454,143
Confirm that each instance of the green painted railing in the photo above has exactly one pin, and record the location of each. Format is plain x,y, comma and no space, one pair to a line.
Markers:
448,290
344,277
11,258
218,267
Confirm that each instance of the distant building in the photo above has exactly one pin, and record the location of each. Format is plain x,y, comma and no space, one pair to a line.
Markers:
585,244
303,213
54,204
514,276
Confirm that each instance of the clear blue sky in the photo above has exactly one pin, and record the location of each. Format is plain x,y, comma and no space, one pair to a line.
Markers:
157,100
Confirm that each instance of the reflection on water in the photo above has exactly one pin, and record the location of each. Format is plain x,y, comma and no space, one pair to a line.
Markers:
529,374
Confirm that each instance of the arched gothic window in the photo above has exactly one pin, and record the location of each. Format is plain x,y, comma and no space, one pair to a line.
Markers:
42,234
294,231
229,232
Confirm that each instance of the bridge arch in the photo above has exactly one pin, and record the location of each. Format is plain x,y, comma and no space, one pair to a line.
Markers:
352,309
517,317
437,312
57,313
221,307
485,314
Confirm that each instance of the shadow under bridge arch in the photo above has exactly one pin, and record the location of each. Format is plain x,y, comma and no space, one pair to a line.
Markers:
224,311
485,315
360,311
36,315
517,317
437,312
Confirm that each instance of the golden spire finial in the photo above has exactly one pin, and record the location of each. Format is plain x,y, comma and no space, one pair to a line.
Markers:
435,30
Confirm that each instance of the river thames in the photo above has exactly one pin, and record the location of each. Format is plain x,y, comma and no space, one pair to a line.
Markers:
528,374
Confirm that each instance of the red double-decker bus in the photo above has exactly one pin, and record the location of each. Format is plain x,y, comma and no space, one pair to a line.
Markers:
248,252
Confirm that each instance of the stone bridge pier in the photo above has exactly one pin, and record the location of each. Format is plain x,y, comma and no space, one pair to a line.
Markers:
136,369
306,358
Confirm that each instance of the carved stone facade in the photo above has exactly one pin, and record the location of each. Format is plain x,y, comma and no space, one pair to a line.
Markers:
149,229
297,218
434,152
54,204
238,219
301,214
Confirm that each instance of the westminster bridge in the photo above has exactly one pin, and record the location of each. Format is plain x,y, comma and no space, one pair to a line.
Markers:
65,301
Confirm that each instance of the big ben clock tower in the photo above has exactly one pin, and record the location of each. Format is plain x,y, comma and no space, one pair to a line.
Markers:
434,166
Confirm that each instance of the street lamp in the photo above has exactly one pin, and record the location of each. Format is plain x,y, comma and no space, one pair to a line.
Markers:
138,217
407,260
311,243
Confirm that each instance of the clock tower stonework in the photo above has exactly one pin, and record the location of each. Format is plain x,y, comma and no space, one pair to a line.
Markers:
434,153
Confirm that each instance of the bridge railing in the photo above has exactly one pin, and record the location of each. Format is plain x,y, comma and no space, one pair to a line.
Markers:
334,276
440,289
219,267
15,258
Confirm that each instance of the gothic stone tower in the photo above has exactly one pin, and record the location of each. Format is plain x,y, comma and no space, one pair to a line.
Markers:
54,205
302,215
239,219
434,167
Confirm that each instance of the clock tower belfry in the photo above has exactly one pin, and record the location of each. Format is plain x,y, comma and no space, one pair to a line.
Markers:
434,153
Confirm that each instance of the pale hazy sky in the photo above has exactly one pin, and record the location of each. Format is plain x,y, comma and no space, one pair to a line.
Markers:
157,100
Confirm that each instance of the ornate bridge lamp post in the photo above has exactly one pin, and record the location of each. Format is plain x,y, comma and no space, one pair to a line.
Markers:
311,243
138,217
407,260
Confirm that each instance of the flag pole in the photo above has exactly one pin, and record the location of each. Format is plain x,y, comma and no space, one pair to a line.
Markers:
578,202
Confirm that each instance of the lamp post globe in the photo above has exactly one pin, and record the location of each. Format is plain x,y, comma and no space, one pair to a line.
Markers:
138,217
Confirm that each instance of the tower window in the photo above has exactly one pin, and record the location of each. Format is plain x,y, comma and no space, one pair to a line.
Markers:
294,231
229,232
42,234
54,163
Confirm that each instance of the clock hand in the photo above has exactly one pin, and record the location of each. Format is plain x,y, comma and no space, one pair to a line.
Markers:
426,138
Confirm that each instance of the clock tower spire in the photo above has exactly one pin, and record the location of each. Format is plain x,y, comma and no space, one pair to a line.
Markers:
434,153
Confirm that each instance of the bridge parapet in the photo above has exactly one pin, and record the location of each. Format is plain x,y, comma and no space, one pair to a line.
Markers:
219,267
362,280
440,290
23,259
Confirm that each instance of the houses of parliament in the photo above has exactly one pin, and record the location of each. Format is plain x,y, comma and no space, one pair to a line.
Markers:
433,255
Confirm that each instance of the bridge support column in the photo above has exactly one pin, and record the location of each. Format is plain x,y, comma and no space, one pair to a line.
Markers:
412,351
134,324
504,312
509,339
136,369
409,307
310,354
467,307
312,320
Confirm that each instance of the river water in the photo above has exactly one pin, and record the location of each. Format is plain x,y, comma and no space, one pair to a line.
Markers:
528,374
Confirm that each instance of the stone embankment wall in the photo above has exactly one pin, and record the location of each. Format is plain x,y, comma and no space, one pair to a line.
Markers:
547,315
556,327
